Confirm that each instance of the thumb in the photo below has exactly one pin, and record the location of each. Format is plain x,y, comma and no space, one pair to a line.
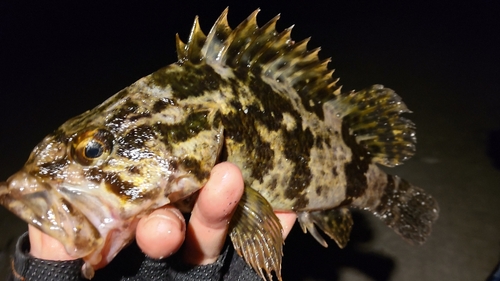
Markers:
45,247
162,233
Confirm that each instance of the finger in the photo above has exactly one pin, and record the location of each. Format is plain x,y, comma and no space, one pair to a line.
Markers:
161,234
207,228
287,221
45,247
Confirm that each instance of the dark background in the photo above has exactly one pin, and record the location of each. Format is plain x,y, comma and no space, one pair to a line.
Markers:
58,60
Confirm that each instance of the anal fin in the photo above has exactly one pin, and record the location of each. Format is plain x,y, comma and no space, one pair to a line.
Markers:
256,233
336,223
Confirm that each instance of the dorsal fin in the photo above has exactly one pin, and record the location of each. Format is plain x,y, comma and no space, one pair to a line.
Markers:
374,119
263,51
192,50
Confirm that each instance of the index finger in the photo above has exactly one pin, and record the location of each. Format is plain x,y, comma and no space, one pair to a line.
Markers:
208,225
287,220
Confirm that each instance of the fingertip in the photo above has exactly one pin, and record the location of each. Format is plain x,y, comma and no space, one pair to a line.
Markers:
161,234
287,220
220,196
212,212
227,176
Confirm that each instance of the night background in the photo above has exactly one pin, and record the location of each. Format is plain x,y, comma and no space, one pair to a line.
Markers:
59,60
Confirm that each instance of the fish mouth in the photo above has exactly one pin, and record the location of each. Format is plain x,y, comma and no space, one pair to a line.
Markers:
39,204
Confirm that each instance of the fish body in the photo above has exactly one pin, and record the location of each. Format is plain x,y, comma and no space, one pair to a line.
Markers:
251,96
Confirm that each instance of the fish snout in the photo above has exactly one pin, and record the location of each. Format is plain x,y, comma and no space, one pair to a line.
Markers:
40,204
25,196
21,184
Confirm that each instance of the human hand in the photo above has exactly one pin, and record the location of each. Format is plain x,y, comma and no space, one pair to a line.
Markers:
163,232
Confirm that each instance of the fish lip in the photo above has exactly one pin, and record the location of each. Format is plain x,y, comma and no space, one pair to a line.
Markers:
39,203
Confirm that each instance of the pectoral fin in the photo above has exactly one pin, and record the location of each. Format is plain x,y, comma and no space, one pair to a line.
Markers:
256,234
336,223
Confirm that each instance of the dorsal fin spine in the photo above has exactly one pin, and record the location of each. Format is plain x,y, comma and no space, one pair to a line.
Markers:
181,48
264,52
312,54
266,32
249,26
300,47
275,62
195,43
216,37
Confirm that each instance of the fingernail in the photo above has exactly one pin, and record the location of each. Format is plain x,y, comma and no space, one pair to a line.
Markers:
166,218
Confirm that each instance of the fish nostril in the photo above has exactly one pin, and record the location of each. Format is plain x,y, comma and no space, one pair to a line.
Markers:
22,184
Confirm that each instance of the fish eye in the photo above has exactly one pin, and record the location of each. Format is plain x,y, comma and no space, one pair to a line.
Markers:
92,146
93,149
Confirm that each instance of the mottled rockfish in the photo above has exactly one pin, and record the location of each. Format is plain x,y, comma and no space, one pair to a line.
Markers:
251,96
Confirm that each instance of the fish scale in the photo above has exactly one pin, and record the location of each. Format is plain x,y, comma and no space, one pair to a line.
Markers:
251,96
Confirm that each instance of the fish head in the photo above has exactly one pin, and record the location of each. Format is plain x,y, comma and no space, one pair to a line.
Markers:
89,182
75,188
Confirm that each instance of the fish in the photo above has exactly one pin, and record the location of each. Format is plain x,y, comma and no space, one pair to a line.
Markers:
251,96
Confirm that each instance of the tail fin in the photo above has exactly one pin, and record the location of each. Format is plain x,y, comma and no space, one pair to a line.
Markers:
407,209
402,206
